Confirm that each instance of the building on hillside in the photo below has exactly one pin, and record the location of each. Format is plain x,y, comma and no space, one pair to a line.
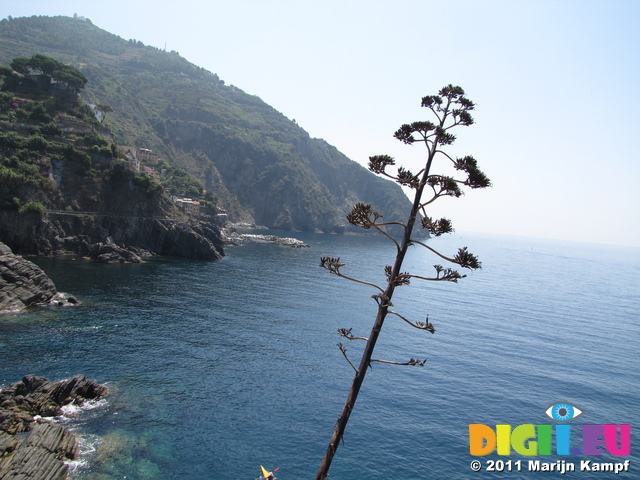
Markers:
146,155
131,154
151,172
187,205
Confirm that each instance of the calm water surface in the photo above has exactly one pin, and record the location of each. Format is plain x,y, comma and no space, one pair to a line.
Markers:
216,368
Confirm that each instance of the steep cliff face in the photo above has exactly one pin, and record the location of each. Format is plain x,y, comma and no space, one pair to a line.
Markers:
280,192
308,186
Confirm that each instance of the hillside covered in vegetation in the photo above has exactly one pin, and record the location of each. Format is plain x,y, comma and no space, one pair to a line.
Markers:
66,186
52,154
253,162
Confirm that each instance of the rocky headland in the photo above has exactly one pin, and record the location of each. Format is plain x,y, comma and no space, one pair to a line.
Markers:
24,284
31,447
108,238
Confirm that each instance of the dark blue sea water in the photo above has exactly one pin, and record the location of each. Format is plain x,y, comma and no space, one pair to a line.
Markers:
216,368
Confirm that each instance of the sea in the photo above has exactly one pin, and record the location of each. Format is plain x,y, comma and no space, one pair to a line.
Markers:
216,368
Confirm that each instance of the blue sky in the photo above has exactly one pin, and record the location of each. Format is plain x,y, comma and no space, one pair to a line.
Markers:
555,82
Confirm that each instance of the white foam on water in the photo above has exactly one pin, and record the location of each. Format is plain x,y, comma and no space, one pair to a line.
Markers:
74,416
76,465
88,445
72,410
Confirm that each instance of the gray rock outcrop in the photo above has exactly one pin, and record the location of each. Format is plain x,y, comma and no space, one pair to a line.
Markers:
22,283
112,253
42,456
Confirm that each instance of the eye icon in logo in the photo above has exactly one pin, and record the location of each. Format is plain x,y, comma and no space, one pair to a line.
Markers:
563,412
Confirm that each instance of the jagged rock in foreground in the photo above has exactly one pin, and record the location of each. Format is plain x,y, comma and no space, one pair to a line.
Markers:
42,455
23,283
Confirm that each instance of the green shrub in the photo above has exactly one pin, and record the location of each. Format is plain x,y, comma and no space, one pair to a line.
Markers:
5,100
11,140
73,154
39,114
51,129
33,207
121,170
14,204
103,151
147,183
37,143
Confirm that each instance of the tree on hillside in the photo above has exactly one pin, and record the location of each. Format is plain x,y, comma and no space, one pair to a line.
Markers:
450,109
20,65
52,69
43,64
5,71
104,109
72,77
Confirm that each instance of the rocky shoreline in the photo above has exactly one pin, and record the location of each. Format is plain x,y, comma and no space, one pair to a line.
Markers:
30,446
23,284
110,238
232,237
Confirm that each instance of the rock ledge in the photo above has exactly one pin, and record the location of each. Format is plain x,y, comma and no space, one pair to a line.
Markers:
22,283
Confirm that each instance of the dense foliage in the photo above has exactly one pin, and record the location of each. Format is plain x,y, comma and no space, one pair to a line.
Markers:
43,67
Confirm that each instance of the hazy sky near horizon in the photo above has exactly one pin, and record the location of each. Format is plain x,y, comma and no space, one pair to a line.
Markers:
555,83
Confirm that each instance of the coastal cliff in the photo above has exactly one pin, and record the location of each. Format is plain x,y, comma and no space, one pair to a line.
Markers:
257,165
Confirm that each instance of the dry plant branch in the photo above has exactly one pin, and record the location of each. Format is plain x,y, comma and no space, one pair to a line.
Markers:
451,109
